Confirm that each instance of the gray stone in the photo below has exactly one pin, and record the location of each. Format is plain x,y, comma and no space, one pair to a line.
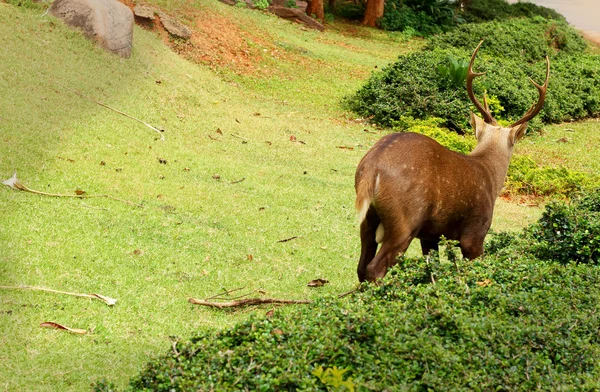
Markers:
173,26
296,15
144,11
108,22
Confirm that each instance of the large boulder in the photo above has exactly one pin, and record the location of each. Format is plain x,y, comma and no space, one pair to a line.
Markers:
108,22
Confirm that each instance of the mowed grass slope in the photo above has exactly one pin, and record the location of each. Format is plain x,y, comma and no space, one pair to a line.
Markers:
249,159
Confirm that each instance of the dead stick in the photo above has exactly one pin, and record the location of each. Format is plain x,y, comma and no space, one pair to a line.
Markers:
248,302
109,301
288,239
347,293
15,183
160,132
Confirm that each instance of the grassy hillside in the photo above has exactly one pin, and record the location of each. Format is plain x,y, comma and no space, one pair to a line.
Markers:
256,150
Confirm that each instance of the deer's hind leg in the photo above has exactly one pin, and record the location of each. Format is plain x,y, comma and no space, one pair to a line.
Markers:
397,237
368,243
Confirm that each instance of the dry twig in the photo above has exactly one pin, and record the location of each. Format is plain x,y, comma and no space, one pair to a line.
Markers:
15,183
103,298
160,132
247,302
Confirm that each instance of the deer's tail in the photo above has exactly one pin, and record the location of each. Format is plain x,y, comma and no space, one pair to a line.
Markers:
366,189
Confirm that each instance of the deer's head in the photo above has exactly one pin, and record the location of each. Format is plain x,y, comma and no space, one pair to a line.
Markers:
487,129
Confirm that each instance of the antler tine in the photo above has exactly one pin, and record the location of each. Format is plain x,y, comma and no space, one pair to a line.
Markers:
536,107
483,109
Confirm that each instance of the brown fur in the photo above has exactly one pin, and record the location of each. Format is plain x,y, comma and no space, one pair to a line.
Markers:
416,188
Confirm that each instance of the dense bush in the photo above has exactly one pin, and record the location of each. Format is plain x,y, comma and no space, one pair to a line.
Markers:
566,233
525,177
487,10
527,40
424,17
414,86
505,322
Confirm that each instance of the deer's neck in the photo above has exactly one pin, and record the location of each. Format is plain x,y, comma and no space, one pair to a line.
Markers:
493,161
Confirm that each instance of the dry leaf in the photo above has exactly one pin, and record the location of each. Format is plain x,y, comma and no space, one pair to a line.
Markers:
187,169
293,138
277,331
79,192
484,283
317,282
270,313
216,177
250,257
14,183
50,324
219,131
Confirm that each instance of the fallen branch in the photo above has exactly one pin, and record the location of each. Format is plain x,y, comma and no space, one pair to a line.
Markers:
252,301
15,183
107,300
160,131
288,239
248,302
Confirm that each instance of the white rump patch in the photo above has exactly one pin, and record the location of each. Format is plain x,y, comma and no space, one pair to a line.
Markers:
362,213
379,233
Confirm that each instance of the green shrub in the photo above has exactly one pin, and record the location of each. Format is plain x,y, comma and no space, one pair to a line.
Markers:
426,17
432,128
525,40
500,323
566,233
487,10
413,86
525,177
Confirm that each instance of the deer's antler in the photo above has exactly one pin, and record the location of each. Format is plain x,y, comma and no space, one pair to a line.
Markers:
535,108
483,109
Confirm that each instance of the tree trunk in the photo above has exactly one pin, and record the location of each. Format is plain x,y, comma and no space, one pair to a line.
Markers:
315,7
332,6
373,12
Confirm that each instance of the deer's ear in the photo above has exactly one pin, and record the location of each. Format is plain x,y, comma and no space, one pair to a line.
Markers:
478,124
517,132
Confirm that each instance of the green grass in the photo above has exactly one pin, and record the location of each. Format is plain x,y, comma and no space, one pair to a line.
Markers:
194,234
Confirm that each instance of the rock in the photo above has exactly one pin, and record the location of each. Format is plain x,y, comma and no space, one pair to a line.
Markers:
108,22
173,26
144,11
296,15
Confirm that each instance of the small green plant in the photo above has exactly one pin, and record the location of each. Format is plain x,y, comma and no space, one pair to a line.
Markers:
241,3
291,4
261,4
455,70
333,378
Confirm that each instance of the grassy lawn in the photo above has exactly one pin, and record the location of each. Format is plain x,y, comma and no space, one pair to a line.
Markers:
253,154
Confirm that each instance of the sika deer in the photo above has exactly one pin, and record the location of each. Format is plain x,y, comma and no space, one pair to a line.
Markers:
409,186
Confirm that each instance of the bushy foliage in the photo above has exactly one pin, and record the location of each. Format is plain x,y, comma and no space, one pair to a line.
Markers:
505,322
525,40
486,10
528,178
566,233
413,86
425,17
432,128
